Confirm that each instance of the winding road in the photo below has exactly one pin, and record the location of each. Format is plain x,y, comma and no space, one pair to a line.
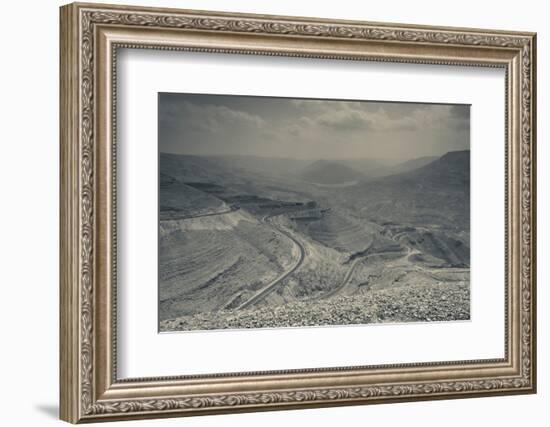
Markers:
262,293
410,251
350,272
347,278
231,209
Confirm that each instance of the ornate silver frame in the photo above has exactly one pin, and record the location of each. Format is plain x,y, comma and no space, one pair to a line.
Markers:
90,36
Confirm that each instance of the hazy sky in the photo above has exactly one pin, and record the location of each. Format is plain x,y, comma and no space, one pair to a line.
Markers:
309,129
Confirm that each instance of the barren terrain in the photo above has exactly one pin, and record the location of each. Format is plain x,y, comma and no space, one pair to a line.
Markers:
255,242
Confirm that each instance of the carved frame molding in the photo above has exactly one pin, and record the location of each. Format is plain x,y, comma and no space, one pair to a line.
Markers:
89,387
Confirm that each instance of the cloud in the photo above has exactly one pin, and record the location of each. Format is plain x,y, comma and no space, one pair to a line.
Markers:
353,116
382,117
282,127
209,117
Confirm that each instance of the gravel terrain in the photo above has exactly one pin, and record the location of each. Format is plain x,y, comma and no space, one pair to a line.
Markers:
412,303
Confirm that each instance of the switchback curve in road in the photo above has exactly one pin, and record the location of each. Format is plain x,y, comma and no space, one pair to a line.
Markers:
262,293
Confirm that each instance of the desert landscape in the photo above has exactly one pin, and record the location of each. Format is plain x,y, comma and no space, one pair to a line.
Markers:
295,212
253,242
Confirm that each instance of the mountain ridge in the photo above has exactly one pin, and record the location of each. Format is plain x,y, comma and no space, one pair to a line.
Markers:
330,172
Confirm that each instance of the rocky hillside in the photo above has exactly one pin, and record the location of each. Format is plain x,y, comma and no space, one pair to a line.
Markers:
416,303
437,194
178,200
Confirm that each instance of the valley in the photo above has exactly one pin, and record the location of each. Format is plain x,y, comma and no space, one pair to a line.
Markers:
248,242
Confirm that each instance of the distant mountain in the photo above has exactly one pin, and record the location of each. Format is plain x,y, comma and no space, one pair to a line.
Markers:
270,166
330,172
437,194
218,168
412,164
191,167
178,200
377,168
371,168
186,168
450,171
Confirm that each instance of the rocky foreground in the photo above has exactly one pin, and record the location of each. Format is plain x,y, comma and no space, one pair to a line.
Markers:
414,303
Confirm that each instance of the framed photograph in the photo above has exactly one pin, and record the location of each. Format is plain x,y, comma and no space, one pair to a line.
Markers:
266,212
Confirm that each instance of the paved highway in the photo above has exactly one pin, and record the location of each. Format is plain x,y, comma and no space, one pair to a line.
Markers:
262,293
231,209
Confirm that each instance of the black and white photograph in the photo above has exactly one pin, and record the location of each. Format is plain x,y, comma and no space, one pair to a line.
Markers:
284,212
